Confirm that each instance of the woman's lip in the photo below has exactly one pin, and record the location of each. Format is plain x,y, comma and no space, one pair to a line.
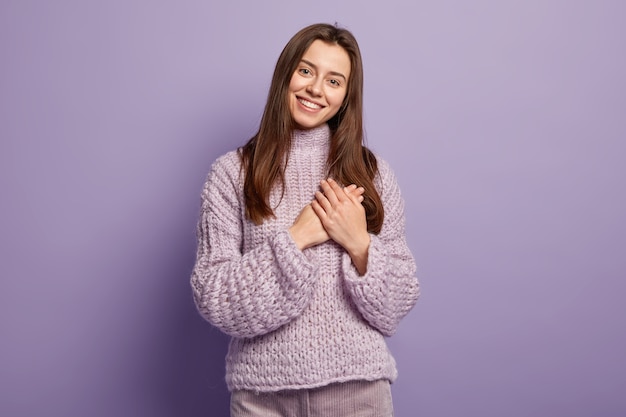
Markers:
301,99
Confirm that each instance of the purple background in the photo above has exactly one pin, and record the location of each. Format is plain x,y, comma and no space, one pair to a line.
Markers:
504,120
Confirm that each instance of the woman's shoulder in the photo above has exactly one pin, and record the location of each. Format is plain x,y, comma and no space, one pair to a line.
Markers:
383,165
230,159
384,171
225,169
228,163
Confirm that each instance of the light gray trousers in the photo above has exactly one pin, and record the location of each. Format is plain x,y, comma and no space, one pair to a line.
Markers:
349,399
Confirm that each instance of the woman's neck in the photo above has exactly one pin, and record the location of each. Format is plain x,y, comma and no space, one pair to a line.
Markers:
314,137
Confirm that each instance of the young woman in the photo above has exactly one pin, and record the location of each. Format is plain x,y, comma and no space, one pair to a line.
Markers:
302,257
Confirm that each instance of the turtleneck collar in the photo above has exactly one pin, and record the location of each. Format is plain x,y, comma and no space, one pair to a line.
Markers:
317,136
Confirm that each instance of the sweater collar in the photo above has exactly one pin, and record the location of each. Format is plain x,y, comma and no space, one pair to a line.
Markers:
315,137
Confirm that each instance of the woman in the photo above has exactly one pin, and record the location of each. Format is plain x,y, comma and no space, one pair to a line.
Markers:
302,257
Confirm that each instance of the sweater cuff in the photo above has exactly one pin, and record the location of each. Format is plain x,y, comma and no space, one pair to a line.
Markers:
291,260
376,265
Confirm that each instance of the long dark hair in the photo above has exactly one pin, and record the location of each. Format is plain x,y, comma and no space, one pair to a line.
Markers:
349,161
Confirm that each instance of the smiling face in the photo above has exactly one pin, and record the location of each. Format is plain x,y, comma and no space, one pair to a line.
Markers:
319,84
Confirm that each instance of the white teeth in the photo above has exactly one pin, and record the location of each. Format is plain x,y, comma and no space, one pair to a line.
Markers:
308,104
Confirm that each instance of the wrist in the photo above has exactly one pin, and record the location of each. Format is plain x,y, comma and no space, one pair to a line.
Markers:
359,254
297,237
360,246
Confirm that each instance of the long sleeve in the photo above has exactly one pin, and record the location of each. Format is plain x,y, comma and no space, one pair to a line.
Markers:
389,289
252,293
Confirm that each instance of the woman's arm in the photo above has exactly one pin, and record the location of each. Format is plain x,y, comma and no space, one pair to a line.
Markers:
389,288
245,294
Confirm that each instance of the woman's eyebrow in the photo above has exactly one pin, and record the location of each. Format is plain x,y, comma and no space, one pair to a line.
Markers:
338,74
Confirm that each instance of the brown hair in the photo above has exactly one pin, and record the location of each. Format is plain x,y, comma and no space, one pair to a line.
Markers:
349,162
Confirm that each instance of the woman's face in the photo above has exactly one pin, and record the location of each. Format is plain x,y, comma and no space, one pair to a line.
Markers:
319,84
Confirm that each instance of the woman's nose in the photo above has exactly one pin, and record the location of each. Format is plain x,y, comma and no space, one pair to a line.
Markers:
314,88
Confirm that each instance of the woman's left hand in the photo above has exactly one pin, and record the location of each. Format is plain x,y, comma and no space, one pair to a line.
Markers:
343,216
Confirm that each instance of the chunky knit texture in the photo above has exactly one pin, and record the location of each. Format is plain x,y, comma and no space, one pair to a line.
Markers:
299,319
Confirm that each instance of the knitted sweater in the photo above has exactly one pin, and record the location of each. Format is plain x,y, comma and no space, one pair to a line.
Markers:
299,319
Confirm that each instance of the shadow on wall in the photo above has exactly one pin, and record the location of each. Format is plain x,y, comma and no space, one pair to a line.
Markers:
193,380
190,363
183,363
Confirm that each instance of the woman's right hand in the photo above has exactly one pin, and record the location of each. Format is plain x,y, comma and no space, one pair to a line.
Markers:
307,229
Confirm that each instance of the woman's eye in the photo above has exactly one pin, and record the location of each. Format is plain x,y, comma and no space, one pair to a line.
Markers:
335,83
305,71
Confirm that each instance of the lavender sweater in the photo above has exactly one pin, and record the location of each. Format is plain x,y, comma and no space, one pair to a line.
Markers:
299,319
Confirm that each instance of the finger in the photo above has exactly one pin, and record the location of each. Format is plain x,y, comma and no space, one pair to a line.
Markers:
358,191
357,195
339,192
353,189
330,191
318,209
322,201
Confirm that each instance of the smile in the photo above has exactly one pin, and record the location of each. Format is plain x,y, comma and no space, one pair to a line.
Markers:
309,104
